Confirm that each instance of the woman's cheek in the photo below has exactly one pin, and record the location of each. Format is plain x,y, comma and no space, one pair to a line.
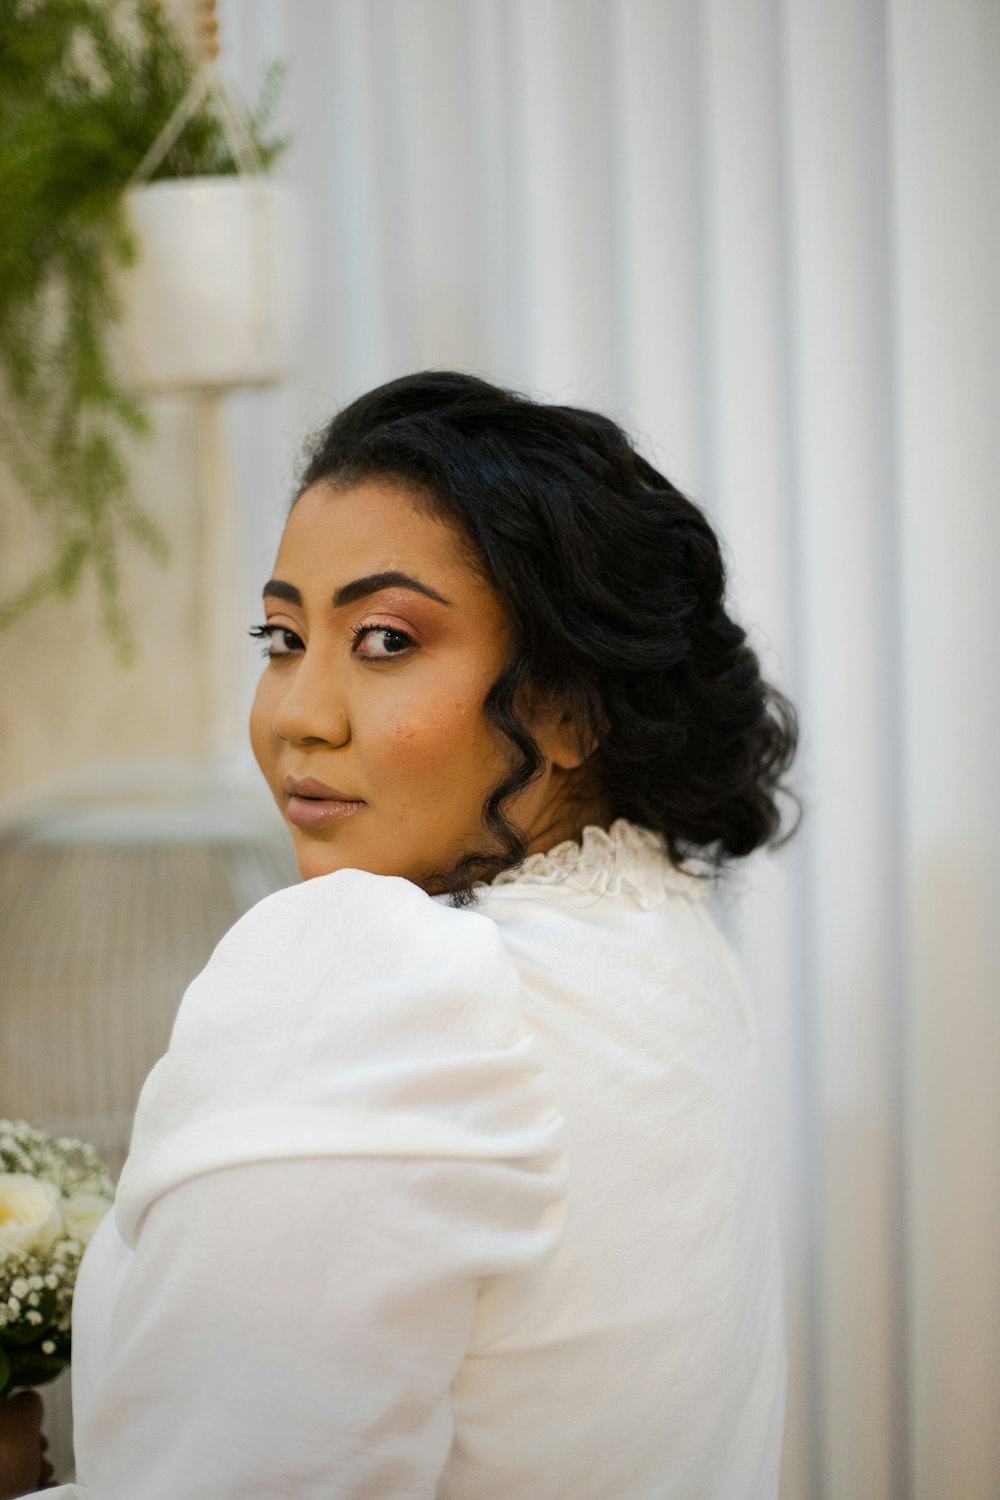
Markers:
262,738
403,707
258,738
422,738
428,725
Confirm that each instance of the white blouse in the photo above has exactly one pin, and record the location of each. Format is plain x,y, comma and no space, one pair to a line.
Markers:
467,1204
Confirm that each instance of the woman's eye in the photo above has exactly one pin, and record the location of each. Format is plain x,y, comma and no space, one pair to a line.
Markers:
281,640
385,641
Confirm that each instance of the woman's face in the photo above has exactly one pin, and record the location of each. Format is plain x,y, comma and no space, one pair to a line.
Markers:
384,641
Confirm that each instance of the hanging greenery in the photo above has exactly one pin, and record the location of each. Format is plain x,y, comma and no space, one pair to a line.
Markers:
86,87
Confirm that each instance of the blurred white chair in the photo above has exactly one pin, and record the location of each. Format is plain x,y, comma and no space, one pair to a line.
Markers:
103,923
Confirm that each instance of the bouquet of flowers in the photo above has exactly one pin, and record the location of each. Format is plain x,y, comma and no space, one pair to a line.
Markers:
53,1194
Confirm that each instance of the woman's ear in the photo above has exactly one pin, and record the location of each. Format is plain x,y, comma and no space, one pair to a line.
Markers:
560,737
570,745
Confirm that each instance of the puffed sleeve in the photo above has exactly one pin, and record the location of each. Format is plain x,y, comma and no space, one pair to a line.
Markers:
351,1130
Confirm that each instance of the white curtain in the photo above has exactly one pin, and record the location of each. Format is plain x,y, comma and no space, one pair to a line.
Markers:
766,235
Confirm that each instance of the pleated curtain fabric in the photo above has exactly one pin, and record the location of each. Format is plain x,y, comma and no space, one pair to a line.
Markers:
765,235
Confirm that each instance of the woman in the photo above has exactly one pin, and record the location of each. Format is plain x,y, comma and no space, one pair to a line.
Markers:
452,1181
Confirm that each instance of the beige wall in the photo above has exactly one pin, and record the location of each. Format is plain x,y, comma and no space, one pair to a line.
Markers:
67,705
68,708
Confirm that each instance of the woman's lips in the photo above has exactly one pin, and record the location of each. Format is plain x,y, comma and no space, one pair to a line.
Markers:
313,804
319,812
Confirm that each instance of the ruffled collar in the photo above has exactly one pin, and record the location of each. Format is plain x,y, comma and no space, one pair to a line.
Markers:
606,862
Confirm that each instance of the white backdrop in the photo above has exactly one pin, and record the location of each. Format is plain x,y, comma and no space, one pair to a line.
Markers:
766,235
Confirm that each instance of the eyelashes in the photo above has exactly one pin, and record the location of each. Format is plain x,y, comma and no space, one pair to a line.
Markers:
270,633
385,631
396,642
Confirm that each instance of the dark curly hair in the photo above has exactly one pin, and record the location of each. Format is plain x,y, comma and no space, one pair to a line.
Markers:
614,583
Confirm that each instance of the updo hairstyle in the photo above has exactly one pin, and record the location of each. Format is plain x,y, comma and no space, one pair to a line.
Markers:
614,584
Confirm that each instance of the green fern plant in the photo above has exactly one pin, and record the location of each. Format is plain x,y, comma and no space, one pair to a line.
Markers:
86,86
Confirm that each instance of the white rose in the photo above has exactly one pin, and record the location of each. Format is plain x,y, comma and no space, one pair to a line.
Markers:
30,1218
82,1213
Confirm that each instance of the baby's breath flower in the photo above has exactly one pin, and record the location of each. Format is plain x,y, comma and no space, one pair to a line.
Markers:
37,1275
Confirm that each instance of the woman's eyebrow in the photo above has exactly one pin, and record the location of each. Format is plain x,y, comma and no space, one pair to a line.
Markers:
276,588
371,584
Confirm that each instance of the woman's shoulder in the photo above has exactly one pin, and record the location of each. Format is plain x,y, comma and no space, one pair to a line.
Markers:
347,906
348,1015
352,930
352,953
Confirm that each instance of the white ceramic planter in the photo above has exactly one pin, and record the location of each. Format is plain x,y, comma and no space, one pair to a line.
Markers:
210,302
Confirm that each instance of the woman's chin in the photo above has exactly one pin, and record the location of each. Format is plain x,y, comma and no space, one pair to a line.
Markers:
314,858
318,856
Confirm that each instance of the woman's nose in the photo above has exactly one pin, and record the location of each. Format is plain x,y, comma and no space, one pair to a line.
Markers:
309,709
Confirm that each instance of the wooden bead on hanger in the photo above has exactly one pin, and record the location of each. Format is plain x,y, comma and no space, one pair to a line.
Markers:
207,29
